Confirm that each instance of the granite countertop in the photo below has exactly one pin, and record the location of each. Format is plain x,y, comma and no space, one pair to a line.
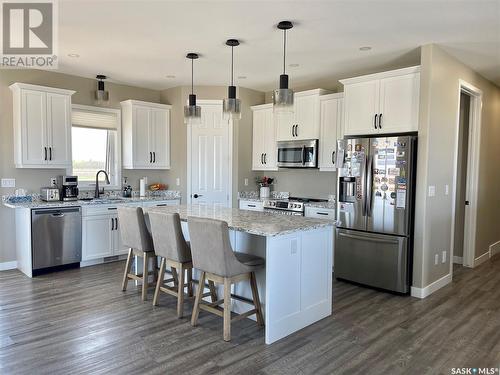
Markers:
253,222
37,203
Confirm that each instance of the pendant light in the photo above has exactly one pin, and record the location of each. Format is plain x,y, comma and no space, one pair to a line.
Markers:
232,105
283,97
101,95
192,112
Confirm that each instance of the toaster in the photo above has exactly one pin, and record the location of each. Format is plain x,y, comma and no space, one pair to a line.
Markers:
49,194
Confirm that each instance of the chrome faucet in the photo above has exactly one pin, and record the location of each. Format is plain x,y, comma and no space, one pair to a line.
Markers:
97,192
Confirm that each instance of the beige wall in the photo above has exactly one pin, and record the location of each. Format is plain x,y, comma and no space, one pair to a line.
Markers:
33,179
242,134
439,100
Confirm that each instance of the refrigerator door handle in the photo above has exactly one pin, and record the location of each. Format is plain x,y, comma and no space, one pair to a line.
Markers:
370,238
369,186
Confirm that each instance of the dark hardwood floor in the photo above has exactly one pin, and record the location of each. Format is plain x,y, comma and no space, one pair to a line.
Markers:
79,321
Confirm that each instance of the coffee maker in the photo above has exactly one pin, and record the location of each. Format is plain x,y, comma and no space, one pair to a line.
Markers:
68,188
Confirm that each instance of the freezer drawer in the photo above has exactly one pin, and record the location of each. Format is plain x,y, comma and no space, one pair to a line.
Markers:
372,259
56,236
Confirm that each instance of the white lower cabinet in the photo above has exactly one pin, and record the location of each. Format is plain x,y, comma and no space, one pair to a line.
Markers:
251,205
320,213
101,229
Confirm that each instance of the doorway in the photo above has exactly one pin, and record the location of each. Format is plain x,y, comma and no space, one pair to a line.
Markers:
209,157
466,175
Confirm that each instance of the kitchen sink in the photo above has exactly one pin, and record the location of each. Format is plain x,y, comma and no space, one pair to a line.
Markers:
104,200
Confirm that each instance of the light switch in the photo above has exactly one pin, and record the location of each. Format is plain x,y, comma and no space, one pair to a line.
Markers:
432,191
446,189
8,182
246,181
178,181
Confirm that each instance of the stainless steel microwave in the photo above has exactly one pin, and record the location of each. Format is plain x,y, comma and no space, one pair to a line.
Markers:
298,154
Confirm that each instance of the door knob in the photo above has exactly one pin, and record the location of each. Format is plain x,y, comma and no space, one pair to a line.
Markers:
197,195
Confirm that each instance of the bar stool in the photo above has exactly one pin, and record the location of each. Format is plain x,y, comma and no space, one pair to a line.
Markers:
214,257
135,235
174,251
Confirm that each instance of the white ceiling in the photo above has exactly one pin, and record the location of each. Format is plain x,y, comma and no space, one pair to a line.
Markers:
141,42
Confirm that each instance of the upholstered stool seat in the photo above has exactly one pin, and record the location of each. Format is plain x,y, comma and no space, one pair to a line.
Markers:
218,263
136,236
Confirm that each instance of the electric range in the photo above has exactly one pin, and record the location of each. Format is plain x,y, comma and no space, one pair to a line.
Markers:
293,206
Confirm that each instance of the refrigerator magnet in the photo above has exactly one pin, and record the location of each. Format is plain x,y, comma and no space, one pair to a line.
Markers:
401,199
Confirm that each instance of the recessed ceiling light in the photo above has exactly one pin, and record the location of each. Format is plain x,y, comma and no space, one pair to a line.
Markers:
294,65
170,76
73,55
365,48
242,77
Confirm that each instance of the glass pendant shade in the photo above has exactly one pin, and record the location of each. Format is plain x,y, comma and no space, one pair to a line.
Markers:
192,112
231,106
283,97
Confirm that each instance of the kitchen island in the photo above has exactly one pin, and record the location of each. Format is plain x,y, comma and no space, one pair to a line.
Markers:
295,286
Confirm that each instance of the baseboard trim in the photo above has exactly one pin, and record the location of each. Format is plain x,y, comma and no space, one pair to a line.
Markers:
482,258
8,265
495,248
458,260
431,288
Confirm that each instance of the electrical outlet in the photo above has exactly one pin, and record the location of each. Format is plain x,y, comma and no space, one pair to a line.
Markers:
8,183
446,189
443,257
53,182
178,181
436,259
432,191
246,181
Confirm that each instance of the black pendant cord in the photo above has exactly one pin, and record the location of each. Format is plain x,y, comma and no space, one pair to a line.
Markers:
232,62
284,51
192,74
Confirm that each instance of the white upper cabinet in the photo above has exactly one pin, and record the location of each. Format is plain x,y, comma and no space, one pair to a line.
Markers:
146,135
382,103
331,114
303,123
42,126
264,138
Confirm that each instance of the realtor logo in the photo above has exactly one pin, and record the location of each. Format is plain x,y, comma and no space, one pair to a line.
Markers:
28,34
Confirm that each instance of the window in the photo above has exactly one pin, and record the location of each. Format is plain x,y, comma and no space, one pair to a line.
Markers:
95,134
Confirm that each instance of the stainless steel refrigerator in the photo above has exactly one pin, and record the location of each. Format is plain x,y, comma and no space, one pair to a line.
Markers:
374,235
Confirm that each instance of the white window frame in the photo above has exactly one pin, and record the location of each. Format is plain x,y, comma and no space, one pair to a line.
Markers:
118,148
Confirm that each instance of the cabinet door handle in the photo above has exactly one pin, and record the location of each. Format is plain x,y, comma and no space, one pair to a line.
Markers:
116,223
50,153
333,157
45,157
261,158
150,157
265,158
154,156
380,121
297,130
375,121
293,127
112,224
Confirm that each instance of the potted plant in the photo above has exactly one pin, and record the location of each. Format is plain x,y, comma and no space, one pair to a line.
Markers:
264,184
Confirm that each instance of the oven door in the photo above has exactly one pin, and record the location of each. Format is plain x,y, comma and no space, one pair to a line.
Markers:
298,154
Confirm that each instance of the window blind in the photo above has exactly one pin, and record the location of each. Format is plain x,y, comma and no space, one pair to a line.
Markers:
90,119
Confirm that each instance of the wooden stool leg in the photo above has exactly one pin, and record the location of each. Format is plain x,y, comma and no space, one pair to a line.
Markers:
127,269
199,296
227,309
190,282
174,276
213,290
145,276
155,267
256,300
180,292
159,281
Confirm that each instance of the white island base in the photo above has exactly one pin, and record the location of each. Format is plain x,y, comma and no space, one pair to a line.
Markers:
295,287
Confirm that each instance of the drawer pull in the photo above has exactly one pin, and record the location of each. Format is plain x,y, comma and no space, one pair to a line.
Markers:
322,213
251,205
161,205
112,208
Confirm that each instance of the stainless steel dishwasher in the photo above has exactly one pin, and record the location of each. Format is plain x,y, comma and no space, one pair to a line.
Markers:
56,235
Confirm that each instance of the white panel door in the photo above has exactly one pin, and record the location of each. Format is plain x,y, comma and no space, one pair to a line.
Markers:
399,103
34,127
258,146
330,120
361,104
143,156
306,117
59,129
160,138
210,162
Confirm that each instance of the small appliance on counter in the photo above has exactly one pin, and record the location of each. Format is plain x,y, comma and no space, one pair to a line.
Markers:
49,194
68,188
127,191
